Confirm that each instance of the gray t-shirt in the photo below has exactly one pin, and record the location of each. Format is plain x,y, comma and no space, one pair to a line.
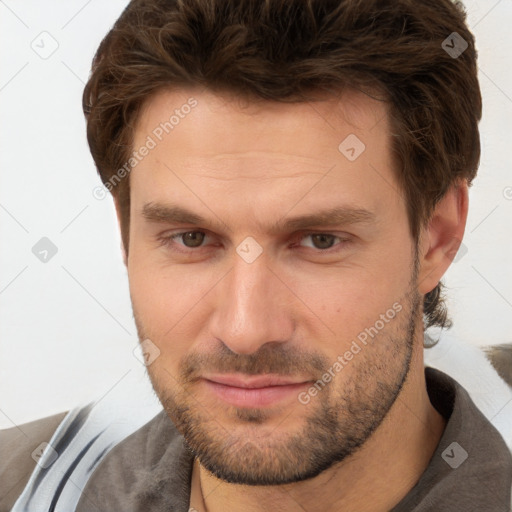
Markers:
470,471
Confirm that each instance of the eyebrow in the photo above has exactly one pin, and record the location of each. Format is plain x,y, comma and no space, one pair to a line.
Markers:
339,216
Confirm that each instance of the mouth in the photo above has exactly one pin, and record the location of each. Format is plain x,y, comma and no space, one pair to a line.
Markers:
254,391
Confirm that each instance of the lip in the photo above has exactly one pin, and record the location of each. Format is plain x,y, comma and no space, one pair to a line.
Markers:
253,381
253,391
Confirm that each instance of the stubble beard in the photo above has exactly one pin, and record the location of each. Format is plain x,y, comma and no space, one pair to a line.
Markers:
338,421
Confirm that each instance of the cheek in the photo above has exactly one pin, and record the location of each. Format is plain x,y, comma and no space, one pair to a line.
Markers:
160,312
350,299
167,301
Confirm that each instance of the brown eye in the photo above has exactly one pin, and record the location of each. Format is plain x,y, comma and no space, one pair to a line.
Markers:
192,238
323,241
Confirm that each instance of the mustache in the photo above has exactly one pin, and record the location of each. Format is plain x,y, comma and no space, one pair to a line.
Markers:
273,357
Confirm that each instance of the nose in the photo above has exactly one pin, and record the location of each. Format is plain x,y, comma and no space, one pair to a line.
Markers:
253,307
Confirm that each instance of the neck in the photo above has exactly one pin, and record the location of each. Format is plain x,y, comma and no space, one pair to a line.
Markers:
375,478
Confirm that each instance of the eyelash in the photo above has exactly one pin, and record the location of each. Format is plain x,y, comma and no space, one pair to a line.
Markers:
168,241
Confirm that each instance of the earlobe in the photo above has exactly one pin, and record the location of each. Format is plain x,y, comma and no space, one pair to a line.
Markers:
118,215
125,258
442,237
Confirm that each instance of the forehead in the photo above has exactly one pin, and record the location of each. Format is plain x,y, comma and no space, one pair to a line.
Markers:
249,154
168,113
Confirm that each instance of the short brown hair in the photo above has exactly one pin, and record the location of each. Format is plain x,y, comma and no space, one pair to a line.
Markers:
281,50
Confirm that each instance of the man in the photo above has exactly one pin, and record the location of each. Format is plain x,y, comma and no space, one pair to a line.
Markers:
291,183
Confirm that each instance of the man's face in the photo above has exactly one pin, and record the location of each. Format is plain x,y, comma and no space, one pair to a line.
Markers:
282,343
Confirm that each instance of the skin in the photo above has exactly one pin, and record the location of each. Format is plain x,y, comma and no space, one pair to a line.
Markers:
295,308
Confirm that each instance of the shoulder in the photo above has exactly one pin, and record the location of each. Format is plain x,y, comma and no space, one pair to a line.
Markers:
500,357
17,446
135,472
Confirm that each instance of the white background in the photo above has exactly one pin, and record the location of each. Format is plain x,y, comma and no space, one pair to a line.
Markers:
66,328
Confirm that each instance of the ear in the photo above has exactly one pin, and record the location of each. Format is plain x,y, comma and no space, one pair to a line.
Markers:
441,239
118,215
